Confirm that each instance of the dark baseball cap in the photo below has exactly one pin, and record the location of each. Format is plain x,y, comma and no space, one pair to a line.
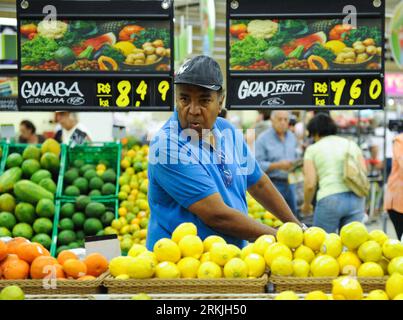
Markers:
201,71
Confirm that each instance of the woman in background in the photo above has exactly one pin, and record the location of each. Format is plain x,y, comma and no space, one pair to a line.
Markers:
28,133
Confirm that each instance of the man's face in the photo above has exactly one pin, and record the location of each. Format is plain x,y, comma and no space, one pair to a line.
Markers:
198,108
65,121
25,133
280,121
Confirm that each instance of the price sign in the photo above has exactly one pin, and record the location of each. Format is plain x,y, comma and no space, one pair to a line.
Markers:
299,56
112,69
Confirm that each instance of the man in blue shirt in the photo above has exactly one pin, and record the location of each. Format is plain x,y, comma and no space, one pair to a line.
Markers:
200,167
276,150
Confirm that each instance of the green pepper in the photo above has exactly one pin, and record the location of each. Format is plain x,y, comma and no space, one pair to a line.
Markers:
86,54
296,53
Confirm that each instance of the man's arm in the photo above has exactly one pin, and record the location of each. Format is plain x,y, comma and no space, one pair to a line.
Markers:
213,211
310,181
268,196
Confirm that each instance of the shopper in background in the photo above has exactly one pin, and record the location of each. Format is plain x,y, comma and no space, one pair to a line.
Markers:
276,151
394,192
262,122
324,161
208,186
28,133
71,132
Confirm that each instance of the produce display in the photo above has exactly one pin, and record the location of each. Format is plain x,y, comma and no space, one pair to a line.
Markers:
77,45
27,192
134,211
80,219
256,211
304,45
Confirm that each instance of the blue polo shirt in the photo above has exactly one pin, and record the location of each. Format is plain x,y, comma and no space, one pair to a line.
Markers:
183,170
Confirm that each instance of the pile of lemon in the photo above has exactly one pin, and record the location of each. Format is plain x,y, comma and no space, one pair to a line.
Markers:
257,212
349,288
134,211
185,255
355,252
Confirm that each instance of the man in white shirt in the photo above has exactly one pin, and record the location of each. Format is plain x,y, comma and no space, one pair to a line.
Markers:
71,131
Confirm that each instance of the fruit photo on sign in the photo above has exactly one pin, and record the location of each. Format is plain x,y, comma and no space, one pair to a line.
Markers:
81,45
304,44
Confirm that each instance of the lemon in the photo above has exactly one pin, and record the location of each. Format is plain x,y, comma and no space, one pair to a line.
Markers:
220,253
346,288
262,243
125,230
286,295
210,240
123,221
119,265
290,234
205,257
136,249
370,269
209,270
379,236
398,297
123,277
247,250
282,266
304,253
325,266
188,267
256,265
384,263
191,246
236,268
316,295
277,250
332,245
126,47
236,252
392,248
301,268
184,229
353,235
167,250
349,263
110,230
394,285
396,265
149,255
314,237
117,225
370,251
167,270
377,295
141,268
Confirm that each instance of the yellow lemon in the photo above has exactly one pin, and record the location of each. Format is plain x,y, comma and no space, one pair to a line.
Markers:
167,270
325,266
167,250
188,267
346,288
316,295
384,263
123,277
314,237
353,235
377,295
141,268
220,253
392,248
205,257
370,269
123,221
191,246
117,225
236,268
398,297
301,268
396,265
304,253
262,243
125,230
394,285
247,250
184,229
236,252
332,245
277,250
286,295
282,266
256,265
149,255
135,250
290,234
349,263
119,265
379,236
101,167
370,251
210,240
110,230
209,270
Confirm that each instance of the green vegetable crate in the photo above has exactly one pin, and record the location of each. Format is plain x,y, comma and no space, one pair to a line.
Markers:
73,218
80,174
3,155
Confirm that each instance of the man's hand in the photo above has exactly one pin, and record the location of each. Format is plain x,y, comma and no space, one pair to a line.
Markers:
281,165
307,209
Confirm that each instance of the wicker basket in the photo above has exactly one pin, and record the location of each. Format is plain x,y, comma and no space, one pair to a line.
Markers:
305,285
200,296
59,297
185,285
63,287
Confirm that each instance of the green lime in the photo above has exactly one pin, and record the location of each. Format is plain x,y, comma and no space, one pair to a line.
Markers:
14,160
108,189
25,212
7,220
95,193
72,191
43,225
80,235
4,232
45,208
96,183
107,218
66,224
23,230
78,220
43,239
81,184
78,163
82,202
71,175
90,174
74,245
67,210
66,237
92,226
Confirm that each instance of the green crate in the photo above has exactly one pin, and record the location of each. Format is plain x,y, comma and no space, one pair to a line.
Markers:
91,153
4,148
109,203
